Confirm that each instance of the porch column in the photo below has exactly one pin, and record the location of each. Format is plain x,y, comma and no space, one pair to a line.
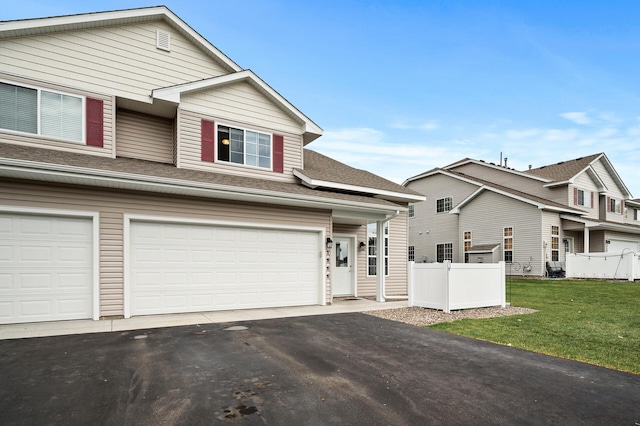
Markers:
380,260
586,239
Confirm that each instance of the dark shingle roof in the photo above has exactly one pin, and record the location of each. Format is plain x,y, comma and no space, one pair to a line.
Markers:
564,170
321,167
512,191
159,170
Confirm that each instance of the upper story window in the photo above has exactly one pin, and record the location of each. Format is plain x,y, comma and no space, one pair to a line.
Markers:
244,147
582,198
412,211
42,112
444,204
615,206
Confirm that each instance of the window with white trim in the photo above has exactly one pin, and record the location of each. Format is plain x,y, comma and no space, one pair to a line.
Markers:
444,204
555,243
372,253
507,234
412,253
444,252
412,211
245,147
467,245
41,112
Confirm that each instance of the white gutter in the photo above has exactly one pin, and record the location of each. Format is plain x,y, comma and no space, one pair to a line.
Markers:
24,169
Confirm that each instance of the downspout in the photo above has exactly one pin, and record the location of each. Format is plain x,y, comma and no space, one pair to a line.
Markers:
381,278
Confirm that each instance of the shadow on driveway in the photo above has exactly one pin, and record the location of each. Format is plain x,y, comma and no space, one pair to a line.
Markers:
334,369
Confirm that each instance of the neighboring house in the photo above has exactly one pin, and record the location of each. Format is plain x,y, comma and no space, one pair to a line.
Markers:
144,172
483,212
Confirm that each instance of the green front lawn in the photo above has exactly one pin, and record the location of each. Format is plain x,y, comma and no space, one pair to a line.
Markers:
591,321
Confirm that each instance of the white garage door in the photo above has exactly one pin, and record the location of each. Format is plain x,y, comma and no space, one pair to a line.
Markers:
45,268
190,268
617,246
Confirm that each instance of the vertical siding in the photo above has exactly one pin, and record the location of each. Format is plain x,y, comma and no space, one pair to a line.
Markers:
244,103
121,60
43,141
144,137
487,215
428,228
112,205
190,158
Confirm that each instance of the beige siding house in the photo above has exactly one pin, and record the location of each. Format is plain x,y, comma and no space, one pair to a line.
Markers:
144,172
483,212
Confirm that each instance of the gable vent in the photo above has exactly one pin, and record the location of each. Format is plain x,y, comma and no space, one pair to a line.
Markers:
163,40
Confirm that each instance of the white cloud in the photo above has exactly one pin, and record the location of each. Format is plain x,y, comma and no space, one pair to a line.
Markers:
426,126
576,117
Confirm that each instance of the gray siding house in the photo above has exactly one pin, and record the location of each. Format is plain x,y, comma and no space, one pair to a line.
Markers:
145,172
483,212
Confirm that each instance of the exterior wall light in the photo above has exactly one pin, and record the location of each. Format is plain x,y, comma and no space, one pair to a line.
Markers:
329,243
361,245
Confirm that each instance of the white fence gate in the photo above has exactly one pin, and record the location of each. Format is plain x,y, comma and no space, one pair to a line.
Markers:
448,286
620,266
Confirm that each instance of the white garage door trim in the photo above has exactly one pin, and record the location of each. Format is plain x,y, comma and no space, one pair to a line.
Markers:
615,243
129,218
95,246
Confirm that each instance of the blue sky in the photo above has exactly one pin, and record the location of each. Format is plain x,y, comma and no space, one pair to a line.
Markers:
402,87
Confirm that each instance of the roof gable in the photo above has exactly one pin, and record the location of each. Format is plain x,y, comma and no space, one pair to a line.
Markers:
38,26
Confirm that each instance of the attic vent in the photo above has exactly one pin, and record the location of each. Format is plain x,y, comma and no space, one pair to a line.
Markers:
163,40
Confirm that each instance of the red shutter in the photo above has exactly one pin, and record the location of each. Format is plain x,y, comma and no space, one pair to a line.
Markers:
95,122
592,196
278,153
208,140
608,204
575,196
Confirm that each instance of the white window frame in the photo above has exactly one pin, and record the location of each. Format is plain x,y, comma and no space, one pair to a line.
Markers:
444,252
615,205
466,240
505,238
372,247
555,241
244,146
447,204
412,211
38,133
412,253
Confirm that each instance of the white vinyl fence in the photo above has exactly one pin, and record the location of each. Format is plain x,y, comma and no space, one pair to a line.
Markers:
448,286
620,266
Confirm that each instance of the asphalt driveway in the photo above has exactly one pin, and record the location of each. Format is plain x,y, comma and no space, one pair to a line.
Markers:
334,369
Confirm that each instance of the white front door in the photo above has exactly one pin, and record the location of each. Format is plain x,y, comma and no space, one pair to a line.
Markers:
343,266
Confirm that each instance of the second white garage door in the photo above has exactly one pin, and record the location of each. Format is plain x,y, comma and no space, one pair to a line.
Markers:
193,268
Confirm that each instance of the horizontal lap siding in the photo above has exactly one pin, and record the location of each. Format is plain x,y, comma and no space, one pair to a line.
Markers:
241,102
429,228
506,178
144,137
487,215
396,281
43,141
122,60
613,190
585,183
190,149
112,205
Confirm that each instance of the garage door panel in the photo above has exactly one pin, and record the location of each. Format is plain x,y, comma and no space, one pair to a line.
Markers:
49,260
233,268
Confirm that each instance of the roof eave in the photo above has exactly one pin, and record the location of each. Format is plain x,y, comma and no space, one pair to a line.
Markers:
22,169
378,193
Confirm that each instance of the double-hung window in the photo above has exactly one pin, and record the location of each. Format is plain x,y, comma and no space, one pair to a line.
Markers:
508,244
372,253
555,243
467,245
444,204
444,252
412,212
615,206
42,112
246,147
